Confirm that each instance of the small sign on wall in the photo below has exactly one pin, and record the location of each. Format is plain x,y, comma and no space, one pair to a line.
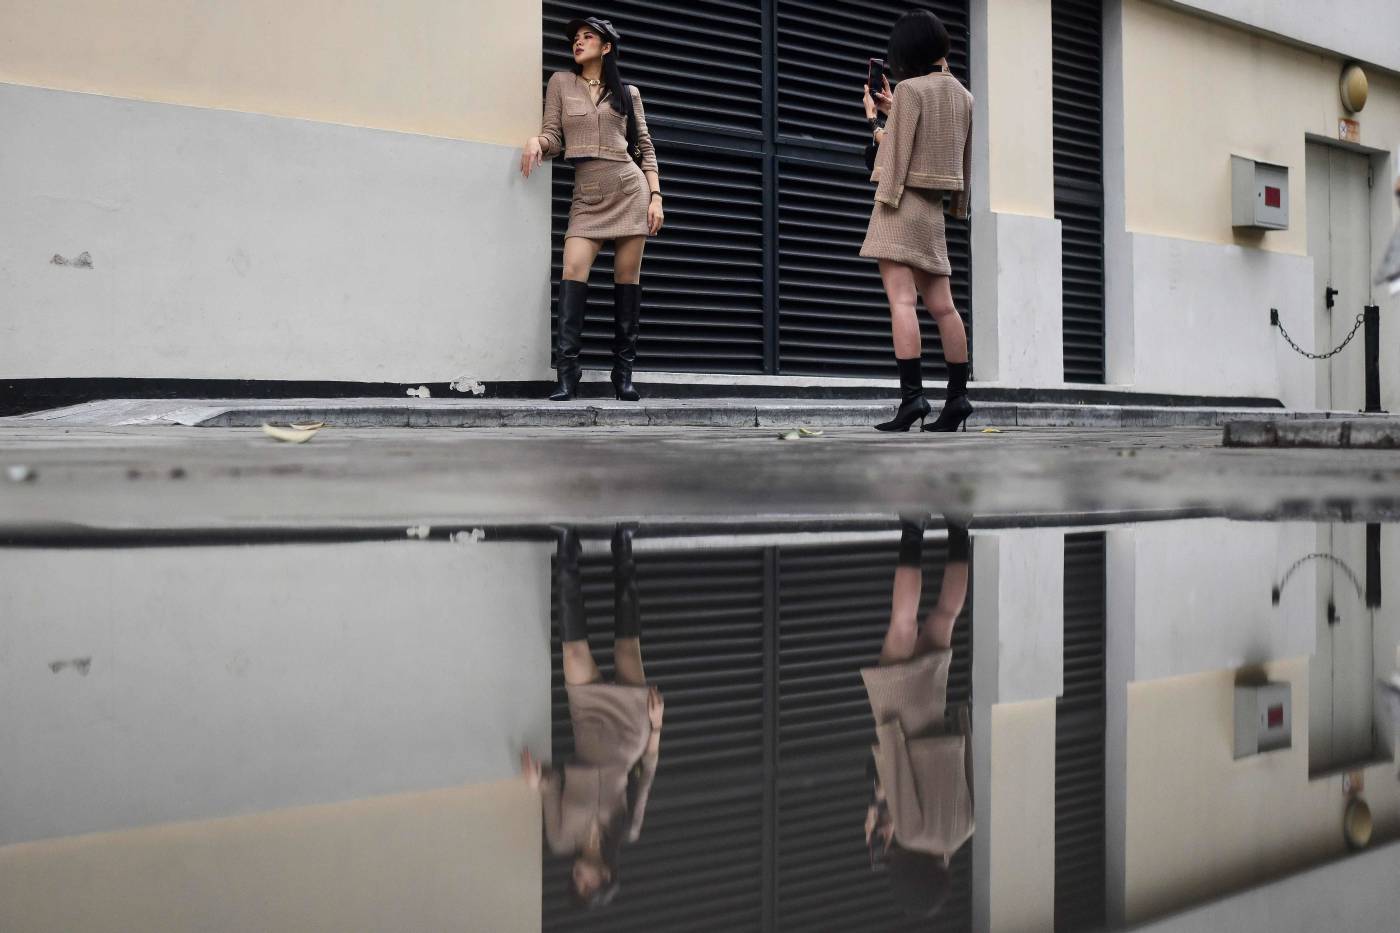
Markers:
1349,131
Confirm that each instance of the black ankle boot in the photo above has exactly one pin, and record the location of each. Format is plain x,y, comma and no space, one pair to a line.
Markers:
627,318
911,540
568,588
572,303
912,404
956,409
627,616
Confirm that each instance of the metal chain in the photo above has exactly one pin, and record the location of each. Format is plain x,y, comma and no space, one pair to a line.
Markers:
1360,319
1337,561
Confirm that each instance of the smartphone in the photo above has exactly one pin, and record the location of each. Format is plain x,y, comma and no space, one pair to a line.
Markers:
874,73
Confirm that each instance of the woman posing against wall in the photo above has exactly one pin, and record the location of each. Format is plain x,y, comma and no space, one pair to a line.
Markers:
597,123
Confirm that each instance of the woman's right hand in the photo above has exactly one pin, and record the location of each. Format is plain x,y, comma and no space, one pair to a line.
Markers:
531,158
530,769
869,103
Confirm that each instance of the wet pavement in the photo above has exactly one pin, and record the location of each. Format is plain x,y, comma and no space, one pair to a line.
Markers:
1090,680
156,476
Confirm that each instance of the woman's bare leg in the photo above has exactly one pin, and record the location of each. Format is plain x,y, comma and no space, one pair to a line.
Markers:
579,666
627,661
902,292
938,298
579,254
627,261
937,631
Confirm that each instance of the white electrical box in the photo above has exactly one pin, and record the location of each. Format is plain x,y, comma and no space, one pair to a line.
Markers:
1259,193
1263,718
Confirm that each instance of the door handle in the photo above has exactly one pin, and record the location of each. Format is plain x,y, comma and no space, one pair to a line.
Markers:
1331,296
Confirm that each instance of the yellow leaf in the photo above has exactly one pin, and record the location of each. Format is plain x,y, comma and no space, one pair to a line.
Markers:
991,430
289,435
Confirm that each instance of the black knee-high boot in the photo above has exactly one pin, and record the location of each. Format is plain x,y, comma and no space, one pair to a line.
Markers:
627,615
627,322
572,303
912,404
911,540
568,588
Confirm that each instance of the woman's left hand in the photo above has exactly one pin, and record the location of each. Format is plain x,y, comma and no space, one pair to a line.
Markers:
884,100
655,216
656,707
530,769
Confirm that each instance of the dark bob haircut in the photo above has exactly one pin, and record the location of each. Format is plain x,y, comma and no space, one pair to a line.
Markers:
917,40
919,882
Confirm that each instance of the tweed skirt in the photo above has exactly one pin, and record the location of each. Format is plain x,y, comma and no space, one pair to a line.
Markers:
611,724
610,200
914,693
912,233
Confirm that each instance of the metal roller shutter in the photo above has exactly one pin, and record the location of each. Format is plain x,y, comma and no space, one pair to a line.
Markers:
703,304
834,605
833,318
749,825
766,192
1077,40
1079,741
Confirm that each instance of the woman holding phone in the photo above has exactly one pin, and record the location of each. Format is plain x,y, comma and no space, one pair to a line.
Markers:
597,123
922,156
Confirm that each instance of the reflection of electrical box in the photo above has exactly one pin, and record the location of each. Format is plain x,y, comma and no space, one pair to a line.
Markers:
1263,718
1259,193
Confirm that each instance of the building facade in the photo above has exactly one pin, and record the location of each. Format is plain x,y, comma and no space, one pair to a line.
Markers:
193,193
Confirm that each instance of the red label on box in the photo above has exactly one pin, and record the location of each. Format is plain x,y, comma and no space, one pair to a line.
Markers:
1273,197
1275,716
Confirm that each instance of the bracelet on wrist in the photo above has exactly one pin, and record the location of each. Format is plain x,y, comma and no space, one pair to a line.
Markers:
656,194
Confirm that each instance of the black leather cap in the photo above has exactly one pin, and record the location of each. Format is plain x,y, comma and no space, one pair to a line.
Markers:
601,26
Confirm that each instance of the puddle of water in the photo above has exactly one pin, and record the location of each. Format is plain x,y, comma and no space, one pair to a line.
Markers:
862,722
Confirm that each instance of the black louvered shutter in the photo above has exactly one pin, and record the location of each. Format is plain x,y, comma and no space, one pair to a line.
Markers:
1077,38
759,137
699,856
833,318
834,605
1079,741
703,279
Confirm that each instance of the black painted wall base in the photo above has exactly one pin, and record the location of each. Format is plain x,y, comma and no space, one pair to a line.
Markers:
20,396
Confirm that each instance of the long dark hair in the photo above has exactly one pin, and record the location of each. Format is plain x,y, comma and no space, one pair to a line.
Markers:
612,80
917,40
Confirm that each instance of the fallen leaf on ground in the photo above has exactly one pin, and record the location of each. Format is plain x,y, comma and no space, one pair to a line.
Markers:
991,430
309,426
289,435
808,432
790,436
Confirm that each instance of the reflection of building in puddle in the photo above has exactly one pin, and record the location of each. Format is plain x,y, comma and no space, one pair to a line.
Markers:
279,736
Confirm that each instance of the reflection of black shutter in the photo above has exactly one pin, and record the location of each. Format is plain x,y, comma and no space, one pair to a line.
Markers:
833,318
1079,741
766,194
699,66
834,605
1077,43
754,820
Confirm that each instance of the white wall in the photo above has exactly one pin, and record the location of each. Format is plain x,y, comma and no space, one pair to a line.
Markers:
235,680
234,245
1361,29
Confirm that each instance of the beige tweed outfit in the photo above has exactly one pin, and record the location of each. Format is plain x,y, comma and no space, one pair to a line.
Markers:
923,767
925,155
610,196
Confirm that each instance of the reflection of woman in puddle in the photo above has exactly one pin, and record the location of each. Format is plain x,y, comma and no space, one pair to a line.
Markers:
921,808
596,804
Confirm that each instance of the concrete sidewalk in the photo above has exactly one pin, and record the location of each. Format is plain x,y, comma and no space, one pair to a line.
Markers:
700,412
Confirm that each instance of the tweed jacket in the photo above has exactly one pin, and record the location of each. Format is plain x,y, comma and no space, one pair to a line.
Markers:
927,141
589,792
580,129
927,786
